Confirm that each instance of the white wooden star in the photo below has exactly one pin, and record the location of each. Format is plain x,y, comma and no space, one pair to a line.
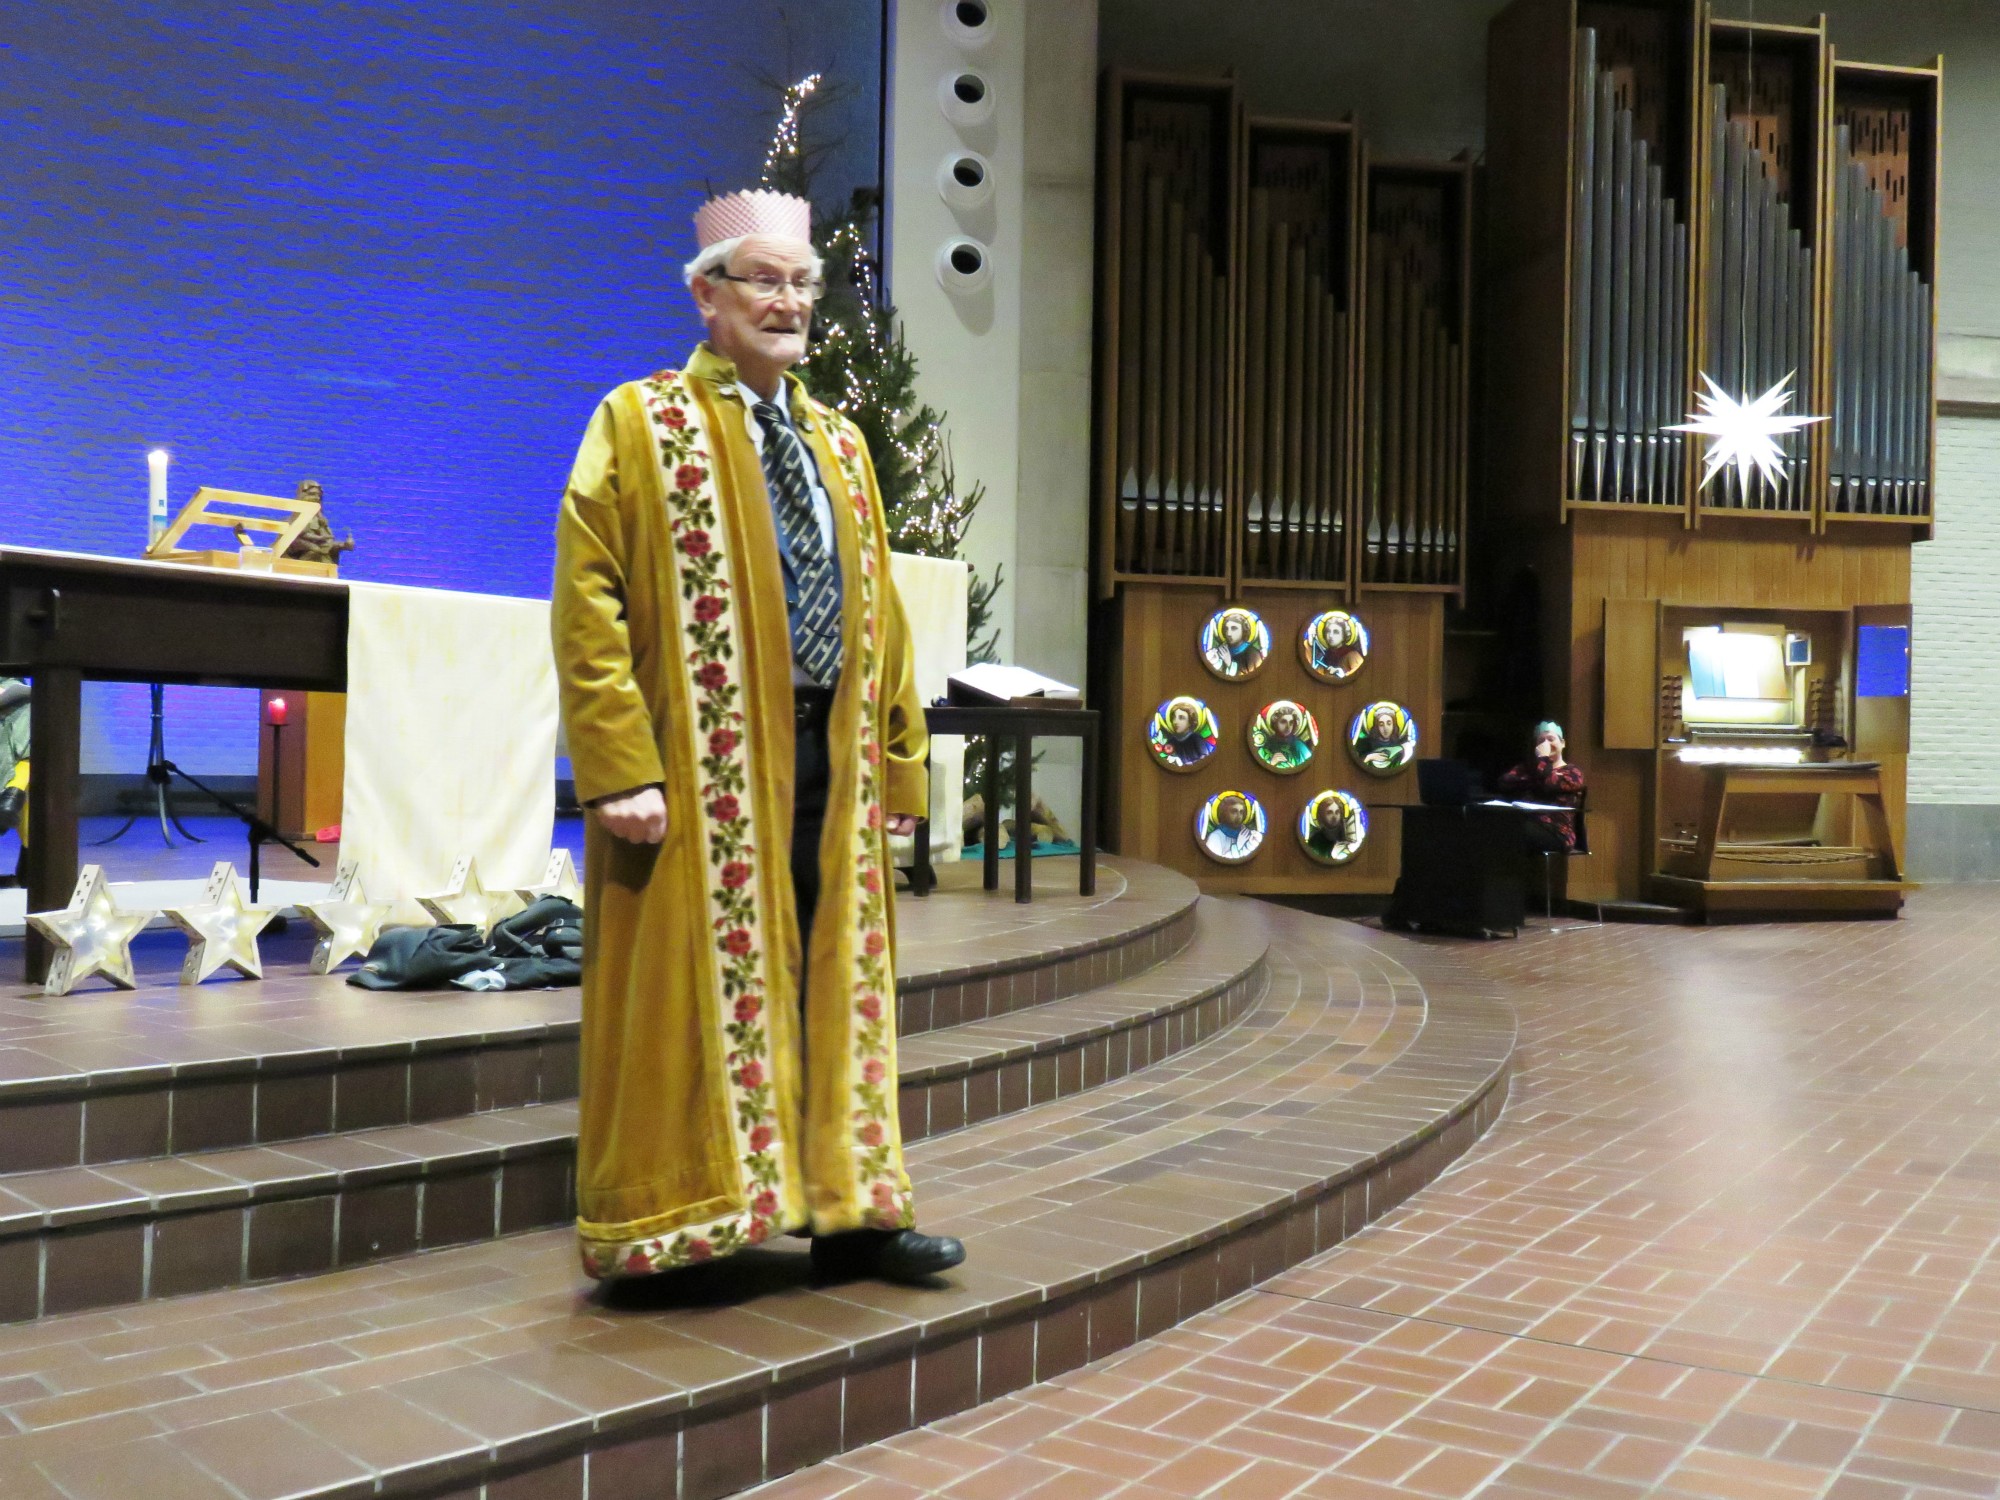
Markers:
92,935
466,902
559,879
222,930
1744,433
347,921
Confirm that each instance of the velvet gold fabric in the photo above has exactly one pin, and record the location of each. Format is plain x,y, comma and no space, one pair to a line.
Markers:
719,1106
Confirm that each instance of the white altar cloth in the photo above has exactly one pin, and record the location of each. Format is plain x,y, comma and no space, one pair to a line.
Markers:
936,594
451,740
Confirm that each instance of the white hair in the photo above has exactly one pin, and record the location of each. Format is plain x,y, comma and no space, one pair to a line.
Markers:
716,256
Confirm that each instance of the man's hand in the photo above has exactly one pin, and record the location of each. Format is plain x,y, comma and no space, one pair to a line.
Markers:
637,817
902,824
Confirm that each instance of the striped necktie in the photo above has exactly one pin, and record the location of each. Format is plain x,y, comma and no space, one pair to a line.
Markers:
815,593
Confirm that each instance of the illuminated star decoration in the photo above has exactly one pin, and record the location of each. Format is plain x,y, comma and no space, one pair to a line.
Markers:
347,921
465,902
1744,433
222,931
92,935
559,879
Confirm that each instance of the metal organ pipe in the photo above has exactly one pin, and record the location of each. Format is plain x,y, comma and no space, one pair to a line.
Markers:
1628,287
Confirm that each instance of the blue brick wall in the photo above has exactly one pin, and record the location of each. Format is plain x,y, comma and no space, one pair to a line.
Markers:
399,249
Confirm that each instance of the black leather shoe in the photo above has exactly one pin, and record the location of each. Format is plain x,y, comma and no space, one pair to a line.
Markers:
886,1254
12,800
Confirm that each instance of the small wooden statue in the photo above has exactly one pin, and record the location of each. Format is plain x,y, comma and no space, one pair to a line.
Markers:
317,542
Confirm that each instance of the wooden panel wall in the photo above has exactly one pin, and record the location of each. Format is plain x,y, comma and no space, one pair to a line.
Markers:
1150,811
1726,563
1526,254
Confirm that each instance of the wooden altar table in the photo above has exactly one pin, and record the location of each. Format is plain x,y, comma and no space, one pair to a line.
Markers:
66,617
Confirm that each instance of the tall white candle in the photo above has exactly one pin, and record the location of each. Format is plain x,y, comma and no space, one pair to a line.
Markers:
156,494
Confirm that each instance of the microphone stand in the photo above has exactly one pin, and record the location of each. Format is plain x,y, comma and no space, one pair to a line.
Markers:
156,773
260,831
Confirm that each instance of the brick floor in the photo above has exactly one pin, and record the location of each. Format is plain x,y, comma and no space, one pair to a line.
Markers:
1733,1237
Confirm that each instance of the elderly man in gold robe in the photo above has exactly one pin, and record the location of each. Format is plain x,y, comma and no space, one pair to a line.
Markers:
745,729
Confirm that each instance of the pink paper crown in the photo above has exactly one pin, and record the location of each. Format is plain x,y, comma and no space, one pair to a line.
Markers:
759,212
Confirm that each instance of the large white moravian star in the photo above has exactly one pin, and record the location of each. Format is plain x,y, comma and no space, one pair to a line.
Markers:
1744,433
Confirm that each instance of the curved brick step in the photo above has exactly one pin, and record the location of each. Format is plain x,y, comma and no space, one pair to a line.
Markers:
1094,1221
965,957
979,1070
108,1076
77,1238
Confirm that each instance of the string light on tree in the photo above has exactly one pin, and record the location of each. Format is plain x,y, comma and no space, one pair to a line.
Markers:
785,139
859,364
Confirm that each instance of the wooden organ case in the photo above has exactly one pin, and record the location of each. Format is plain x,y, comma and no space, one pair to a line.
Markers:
1283,397
1676,199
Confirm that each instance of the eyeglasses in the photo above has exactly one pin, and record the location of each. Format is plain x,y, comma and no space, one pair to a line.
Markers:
769,285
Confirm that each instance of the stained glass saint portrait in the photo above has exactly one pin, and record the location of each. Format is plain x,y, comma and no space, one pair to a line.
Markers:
1332,827
1334,646
1230,827
1383,738
1182,733
1235,643
1283,736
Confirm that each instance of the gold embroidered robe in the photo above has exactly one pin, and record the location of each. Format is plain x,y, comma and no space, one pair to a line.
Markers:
698,1134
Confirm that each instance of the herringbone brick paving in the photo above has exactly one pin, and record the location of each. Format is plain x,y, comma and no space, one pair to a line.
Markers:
1734,1237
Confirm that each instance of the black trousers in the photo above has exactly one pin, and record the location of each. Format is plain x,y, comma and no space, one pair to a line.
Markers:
811,770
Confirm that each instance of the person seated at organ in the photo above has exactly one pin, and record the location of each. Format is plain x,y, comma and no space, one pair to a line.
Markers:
1547,777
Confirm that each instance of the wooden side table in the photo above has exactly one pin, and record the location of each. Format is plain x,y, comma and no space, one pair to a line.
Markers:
1021,727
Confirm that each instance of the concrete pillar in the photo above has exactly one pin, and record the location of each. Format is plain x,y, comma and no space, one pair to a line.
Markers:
1007,361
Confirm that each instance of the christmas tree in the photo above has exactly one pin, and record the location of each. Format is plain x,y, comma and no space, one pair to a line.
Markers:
859,364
